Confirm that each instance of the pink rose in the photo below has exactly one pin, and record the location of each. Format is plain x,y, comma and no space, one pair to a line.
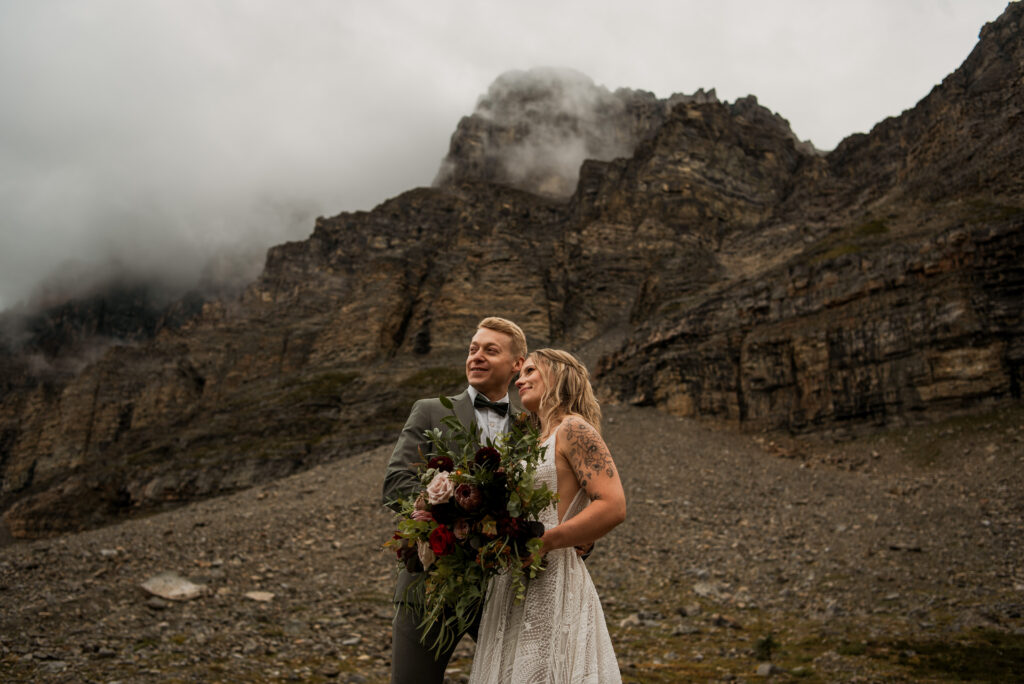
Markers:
440,489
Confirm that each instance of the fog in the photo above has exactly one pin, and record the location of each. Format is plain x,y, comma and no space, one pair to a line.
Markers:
174,141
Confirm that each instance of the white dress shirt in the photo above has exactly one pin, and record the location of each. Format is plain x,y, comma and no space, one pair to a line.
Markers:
491,423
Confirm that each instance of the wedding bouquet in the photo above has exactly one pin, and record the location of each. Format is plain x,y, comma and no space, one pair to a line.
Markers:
476,517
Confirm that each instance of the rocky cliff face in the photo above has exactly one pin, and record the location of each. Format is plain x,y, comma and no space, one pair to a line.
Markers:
885,282
704,261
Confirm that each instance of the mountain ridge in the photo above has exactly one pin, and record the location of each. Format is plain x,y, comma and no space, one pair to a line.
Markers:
722,270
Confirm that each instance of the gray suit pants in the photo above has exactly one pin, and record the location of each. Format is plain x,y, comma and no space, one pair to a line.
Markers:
412,662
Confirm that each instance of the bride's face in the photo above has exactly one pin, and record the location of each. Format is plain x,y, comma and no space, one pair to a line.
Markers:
531,385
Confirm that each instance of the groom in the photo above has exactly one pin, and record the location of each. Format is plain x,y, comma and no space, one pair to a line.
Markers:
496,353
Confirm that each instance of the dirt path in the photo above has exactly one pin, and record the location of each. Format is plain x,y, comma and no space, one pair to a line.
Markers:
896,557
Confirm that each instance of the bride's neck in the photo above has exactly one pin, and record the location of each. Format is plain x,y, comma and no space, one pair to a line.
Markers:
549,424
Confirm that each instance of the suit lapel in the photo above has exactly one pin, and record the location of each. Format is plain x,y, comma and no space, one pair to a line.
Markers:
464,408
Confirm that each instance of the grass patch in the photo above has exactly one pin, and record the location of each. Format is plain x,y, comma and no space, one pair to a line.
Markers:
981,210
983,655
875,227
764,646
326,388
852,648
851,240
836,252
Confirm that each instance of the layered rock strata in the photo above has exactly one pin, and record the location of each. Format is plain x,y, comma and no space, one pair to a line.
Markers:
705,262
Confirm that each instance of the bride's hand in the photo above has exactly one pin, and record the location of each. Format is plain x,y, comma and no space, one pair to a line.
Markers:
527,560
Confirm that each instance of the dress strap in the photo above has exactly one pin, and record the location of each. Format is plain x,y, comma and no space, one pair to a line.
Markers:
579,502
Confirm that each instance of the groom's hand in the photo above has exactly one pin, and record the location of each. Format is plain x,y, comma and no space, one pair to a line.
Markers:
584,550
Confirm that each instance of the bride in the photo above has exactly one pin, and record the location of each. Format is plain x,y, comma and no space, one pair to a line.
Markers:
558,632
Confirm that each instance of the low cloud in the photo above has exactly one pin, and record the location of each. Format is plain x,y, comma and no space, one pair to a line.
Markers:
533,129
177,142
154,136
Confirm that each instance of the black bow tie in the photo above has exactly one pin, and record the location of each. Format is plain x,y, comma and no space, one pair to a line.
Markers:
483,402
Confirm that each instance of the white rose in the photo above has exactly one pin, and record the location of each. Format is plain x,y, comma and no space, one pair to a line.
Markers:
440,489
425,553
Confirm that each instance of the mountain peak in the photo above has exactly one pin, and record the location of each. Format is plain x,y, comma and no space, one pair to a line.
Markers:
533,129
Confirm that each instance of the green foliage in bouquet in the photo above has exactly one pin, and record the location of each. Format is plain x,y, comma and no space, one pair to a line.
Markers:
477,516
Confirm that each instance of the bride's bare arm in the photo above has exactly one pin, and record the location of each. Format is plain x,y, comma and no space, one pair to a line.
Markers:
588,456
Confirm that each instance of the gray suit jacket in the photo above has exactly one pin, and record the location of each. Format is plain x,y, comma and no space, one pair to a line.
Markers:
400,480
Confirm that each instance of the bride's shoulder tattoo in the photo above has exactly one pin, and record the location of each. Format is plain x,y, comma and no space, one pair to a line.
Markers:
587,453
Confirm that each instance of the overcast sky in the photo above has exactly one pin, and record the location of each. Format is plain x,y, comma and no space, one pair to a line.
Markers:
150,135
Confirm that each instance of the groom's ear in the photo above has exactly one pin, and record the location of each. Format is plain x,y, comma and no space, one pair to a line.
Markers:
518,365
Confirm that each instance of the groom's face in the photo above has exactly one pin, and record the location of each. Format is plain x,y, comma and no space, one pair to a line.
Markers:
490,364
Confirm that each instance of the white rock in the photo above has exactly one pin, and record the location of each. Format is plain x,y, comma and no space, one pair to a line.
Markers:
54,667
630,621
262,596
706,590
173,587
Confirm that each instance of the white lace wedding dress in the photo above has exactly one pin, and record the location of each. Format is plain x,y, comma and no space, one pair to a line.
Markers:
557,634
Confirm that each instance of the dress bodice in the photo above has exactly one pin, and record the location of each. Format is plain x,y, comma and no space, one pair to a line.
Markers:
547,472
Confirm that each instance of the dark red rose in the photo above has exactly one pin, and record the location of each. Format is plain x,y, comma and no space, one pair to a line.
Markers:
508,527
496,496
488,457
442,463
442,541
525,531
444,513
468,496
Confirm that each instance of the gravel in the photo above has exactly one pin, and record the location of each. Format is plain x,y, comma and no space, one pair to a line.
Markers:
881,557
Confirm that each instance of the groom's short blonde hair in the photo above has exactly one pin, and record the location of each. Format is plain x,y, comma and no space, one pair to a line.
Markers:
503,325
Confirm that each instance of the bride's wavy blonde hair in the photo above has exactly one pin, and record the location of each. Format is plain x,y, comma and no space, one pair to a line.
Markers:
568,388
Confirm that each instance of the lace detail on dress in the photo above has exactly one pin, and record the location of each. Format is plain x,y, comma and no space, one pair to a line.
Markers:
558,633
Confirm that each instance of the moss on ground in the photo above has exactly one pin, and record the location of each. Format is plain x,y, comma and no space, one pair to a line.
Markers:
851,240
325,388
982,211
